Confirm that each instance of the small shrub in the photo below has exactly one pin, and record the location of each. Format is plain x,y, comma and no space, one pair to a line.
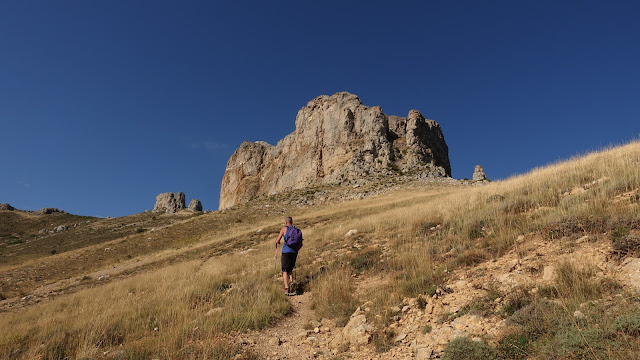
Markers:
628,245
421,302
471,257
426,329
514,346
365,260
628,323
536,319
463,348
475,232
54,251
516,300
574,343
481,305
567,226
383,340
618,234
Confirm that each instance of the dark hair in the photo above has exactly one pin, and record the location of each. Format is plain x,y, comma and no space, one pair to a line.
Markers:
289,219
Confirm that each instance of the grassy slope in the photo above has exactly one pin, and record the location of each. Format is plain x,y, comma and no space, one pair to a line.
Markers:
412,238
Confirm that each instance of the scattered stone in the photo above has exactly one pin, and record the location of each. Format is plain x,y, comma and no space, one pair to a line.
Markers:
117,355
312,340
195,205
400,337
6,207
351,232
62,228
630,272
214,311
578,315
357,331
169,202
549,273
316,330
275,341
423,353
478,174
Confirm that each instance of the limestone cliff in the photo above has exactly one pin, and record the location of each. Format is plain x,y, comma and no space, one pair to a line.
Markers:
337,140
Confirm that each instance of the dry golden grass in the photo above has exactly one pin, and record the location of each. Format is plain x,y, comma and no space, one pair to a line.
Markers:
429,231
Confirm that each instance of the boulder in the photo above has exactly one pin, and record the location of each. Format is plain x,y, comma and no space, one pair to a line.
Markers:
195,205
6,207
478,174
169,202
629,273
357,331
337,140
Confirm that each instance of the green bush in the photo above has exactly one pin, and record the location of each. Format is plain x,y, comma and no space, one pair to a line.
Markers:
365,260
514,346
463,348
628,323
537,318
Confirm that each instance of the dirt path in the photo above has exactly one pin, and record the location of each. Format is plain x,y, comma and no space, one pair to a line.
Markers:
288,338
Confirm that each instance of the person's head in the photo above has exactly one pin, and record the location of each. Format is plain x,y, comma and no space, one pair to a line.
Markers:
288,220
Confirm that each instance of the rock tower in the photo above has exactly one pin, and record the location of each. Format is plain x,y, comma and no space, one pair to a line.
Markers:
337,140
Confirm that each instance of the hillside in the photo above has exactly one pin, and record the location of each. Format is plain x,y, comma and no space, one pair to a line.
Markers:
539,266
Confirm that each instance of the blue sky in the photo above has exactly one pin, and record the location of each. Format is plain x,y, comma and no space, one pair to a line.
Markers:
105,104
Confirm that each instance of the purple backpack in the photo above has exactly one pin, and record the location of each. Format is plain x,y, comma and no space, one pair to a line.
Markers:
293,238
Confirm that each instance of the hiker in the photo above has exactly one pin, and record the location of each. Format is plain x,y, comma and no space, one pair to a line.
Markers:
292,243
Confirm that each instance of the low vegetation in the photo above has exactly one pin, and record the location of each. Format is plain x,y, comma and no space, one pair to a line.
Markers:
409,241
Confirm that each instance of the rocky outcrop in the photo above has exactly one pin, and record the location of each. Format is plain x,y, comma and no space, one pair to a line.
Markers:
47,211
169,202
478,174
337,140
195,205
6,207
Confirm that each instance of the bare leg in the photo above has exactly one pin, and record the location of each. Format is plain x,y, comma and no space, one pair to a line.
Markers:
285,278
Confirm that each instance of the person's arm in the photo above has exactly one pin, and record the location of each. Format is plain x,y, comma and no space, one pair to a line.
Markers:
280,235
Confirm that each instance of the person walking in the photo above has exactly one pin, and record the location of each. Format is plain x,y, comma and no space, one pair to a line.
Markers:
290,247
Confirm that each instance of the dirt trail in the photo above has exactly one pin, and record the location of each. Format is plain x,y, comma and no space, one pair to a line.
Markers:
286,339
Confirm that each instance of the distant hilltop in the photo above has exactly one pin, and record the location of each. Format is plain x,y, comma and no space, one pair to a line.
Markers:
337,140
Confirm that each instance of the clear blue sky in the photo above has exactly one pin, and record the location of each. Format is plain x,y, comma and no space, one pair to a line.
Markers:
104,104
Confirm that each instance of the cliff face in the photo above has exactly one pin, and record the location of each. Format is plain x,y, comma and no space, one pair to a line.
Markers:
337,139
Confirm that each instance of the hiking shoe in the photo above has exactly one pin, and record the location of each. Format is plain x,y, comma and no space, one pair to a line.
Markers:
286,291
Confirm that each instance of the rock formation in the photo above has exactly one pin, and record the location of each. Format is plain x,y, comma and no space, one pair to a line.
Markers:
6,206
169,202
47,211
195,205
337,140
478,174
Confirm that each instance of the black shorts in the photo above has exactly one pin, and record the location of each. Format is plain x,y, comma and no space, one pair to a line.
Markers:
288,261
